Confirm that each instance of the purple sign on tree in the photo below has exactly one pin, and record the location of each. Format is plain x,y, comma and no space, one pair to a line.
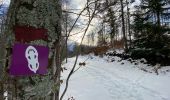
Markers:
29,60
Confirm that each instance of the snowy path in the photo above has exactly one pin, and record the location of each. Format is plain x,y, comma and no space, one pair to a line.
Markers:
102,80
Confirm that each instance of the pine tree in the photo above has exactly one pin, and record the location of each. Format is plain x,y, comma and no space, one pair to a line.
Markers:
150,39
155,8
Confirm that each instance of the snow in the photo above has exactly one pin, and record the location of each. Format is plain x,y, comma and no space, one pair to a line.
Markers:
6,95
102,79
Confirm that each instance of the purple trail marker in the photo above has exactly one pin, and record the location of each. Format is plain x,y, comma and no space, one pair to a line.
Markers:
29,60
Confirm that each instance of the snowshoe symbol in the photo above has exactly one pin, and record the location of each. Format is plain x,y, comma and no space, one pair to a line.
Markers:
31,55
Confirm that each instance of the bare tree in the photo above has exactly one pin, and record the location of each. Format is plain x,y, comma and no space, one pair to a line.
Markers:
91,16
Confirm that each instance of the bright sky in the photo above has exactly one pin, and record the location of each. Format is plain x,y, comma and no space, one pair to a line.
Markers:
79,4
5,2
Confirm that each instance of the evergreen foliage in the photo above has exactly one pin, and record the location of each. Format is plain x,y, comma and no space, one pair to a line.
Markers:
151,40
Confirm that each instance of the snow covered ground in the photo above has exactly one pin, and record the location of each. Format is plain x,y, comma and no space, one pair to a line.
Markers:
106,79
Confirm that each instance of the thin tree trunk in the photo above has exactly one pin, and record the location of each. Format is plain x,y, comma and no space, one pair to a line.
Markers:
57,69
112,23
1,91
123,26
66,39
158,23
128,17
158,19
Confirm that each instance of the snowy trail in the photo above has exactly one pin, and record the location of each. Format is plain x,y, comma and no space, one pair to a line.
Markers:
121,88
101,80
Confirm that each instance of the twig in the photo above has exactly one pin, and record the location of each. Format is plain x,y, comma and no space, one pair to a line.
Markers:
80,66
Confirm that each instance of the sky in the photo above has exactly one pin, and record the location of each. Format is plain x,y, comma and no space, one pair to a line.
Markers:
79,4
5,2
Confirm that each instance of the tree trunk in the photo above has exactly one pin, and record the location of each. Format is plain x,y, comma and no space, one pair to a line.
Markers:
158,23
128,17
158,18
40,14
57,69
66,38
123,26
112,23
1,90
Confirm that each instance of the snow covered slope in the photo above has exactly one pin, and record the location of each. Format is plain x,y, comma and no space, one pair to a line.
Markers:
106,79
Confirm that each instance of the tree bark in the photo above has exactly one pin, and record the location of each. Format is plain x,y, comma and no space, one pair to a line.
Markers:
57,68
40,14
1,91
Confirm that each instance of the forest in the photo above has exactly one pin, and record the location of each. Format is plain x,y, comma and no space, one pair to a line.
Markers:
84,49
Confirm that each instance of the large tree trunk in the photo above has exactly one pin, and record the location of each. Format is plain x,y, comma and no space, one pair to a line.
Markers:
2,63
40,14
